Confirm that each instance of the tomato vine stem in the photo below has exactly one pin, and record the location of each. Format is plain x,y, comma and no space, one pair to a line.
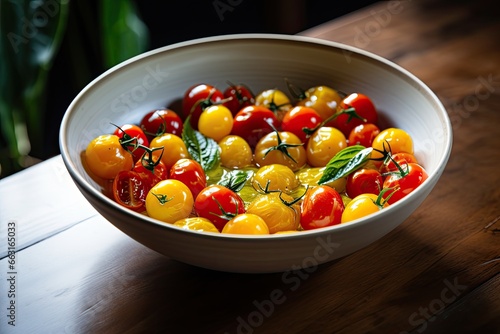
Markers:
163,199
225,215
148,162
351,111
282,147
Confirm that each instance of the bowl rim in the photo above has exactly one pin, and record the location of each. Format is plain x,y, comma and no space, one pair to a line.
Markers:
84,184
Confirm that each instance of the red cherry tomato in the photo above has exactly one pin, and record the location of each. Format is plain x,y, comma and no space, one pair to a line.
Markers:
160,121
412,176
218,204
134,131
197,98
322,206
252,123
298,118
401,158
130,190
189,172
238,97
363,106
151,174
364,181
363,134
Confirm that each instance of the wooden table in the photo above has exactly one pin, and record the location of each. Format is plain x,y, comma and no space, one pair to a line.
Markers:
73,272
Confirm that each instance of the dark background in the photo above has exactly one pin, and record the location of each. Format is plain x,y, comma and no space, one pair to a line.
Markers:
171,22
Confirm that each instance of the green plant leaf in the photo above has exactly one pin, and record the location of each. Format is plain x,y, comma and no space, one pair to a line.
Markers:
345,162
31,35
202,149
124,34
235,179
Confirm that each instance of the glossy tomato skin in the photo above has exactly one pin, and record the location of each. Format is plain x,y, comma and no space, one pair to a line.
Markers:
189,172
298,118
364,181
197,98
134,131
208,200
246,223
105,157
364,107
130,190
197,224
216,122
276,178
394,140
275,100
157,122
362,206
252,123
169,201
276,213
325,100
152,176
235,153
322,206
173,146
293,156
323,145
363,134
401,158
238,97
414,175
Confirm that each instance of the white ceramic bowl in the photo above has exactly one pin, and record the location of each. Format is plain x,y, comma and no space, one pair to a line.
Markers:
160,77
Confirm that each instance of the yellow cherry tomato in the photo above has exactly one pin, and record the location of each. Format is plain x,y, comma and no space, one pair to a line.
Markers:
173,148
169,201
235,152
246,223
323,99
276,100
323,145
361,206
395,140
197,224
311,176
216,122
283,148
277,211
105,157
275,177
287,232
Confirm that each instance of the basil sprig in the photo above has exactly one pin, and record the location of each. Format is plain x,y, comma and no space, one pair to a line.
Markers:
235,179
202,149
345,162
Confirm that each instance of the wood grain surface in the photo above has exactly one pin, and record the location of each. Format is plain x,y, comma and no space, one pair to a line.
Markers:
438,272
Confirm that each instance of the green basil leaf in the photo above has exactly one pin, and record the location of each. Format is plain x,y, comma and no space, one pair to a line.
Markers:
202,149
345,162
235,179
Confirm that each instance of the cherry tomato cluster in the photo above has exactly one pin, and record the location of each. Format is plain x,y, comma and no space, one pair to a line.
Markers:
274,162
